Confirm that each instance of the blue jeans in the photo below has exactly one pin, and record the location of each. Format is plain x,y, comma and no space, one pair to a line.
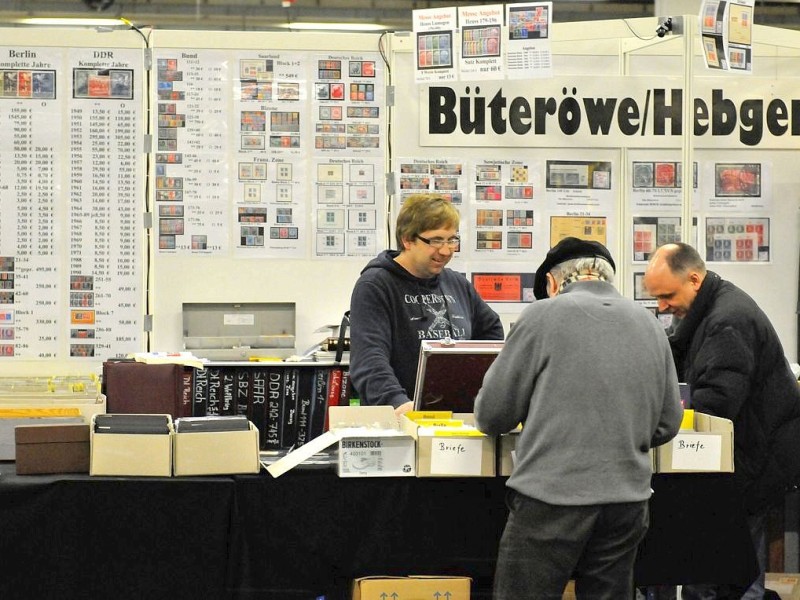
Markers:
757,525
544,545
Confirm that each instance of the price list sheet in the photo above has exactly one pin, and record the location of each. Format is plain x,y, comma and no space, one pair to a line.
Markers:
193,151
348,153
70,230
105,202
271,124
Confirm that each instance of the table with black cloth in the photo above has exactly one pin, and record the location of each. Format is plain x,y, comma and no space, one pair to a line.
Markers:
75,536
309,533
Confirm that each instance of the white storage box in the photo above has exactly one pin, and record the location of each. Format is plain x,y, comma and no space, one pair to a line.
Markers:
371,444
131,453
216,452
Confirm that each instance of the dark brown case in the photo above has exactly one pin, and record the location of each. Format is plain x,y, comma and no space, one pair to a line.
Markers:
140,388
44,449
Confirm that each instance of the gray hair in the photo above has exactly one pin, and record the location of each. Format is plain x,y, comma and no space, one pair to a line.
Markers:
590,265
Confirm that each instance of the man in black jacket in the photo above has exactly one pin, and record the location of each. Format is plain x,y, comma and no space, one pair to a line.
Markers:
726,349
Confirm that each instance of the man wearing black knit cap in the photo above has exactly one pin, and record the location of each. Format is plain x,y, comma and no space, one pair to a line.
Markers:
590,376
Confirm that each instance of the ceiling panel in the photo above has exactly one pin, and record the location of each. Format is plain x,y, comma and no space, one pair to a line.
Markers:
271,14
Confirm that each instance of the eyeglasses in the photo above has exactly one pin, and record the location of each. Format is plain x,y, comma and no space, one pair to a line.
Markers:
439,243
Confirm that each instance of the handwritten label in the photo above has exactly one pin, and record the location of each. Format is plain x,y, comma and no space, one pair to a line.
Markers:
456,456
697,452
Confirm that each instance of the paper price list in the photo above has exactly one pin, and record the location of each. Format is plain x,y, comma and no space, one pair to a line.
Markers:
29,235
106,129
103,301
103,206
193,149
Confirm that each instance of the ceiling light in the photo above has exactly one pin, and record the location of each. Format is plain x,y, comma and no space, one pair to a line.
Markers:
72,21
337,26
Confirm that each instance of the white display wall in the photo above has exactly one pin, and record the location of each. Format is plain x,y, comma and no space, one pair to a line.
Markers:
141,172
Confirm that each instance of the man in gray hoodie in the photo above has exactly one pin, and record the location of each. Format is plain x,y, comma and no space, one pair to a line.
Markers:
590,376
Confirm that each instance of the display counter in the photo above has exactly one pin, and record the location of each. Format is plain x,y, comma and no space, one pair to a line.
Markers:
309,533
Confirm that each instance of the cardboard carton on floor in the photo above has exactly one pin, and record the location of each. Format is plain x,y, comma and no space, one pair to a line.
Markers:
52,448
450,447
569,591
787,585
707,448
411,588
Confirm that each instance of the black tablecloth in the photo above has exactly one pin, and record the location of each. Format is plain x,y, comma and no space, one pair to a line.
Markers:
113,538
308,533
698,533
313,532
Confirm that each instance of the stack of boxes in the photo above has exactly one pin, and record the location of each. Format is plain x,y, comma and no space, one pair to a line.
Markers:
372,442
86,448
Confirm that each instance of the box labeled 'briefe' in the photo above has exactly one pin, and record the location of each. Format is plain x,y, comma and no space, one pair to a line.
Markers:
450,446
706,448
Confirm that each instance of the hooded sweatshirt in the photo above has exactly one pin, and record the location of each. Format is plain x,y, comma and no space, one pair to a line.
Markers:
392,311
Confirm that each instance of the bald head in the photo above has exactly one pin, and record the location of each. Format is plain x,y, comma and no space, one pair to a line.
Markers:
674,276
679,258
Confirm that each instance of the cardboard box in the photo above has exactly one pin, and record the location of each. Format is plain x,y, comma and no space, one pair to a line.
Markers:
411,588
370,444
457,450
216,452
569,591
786,585
506,449
706,449
35,401
131,454
8,426
42,449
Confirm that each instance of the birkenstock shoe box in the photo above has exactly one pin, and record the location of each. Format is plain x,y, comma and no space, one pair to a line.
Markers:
370,444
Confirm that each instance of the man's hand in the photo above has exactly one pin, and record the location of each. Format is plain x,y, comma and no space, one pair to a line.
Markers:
403,408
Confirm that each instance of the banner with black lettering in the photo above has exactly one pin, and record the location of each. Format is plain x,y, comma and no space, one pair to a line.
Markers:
610,112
